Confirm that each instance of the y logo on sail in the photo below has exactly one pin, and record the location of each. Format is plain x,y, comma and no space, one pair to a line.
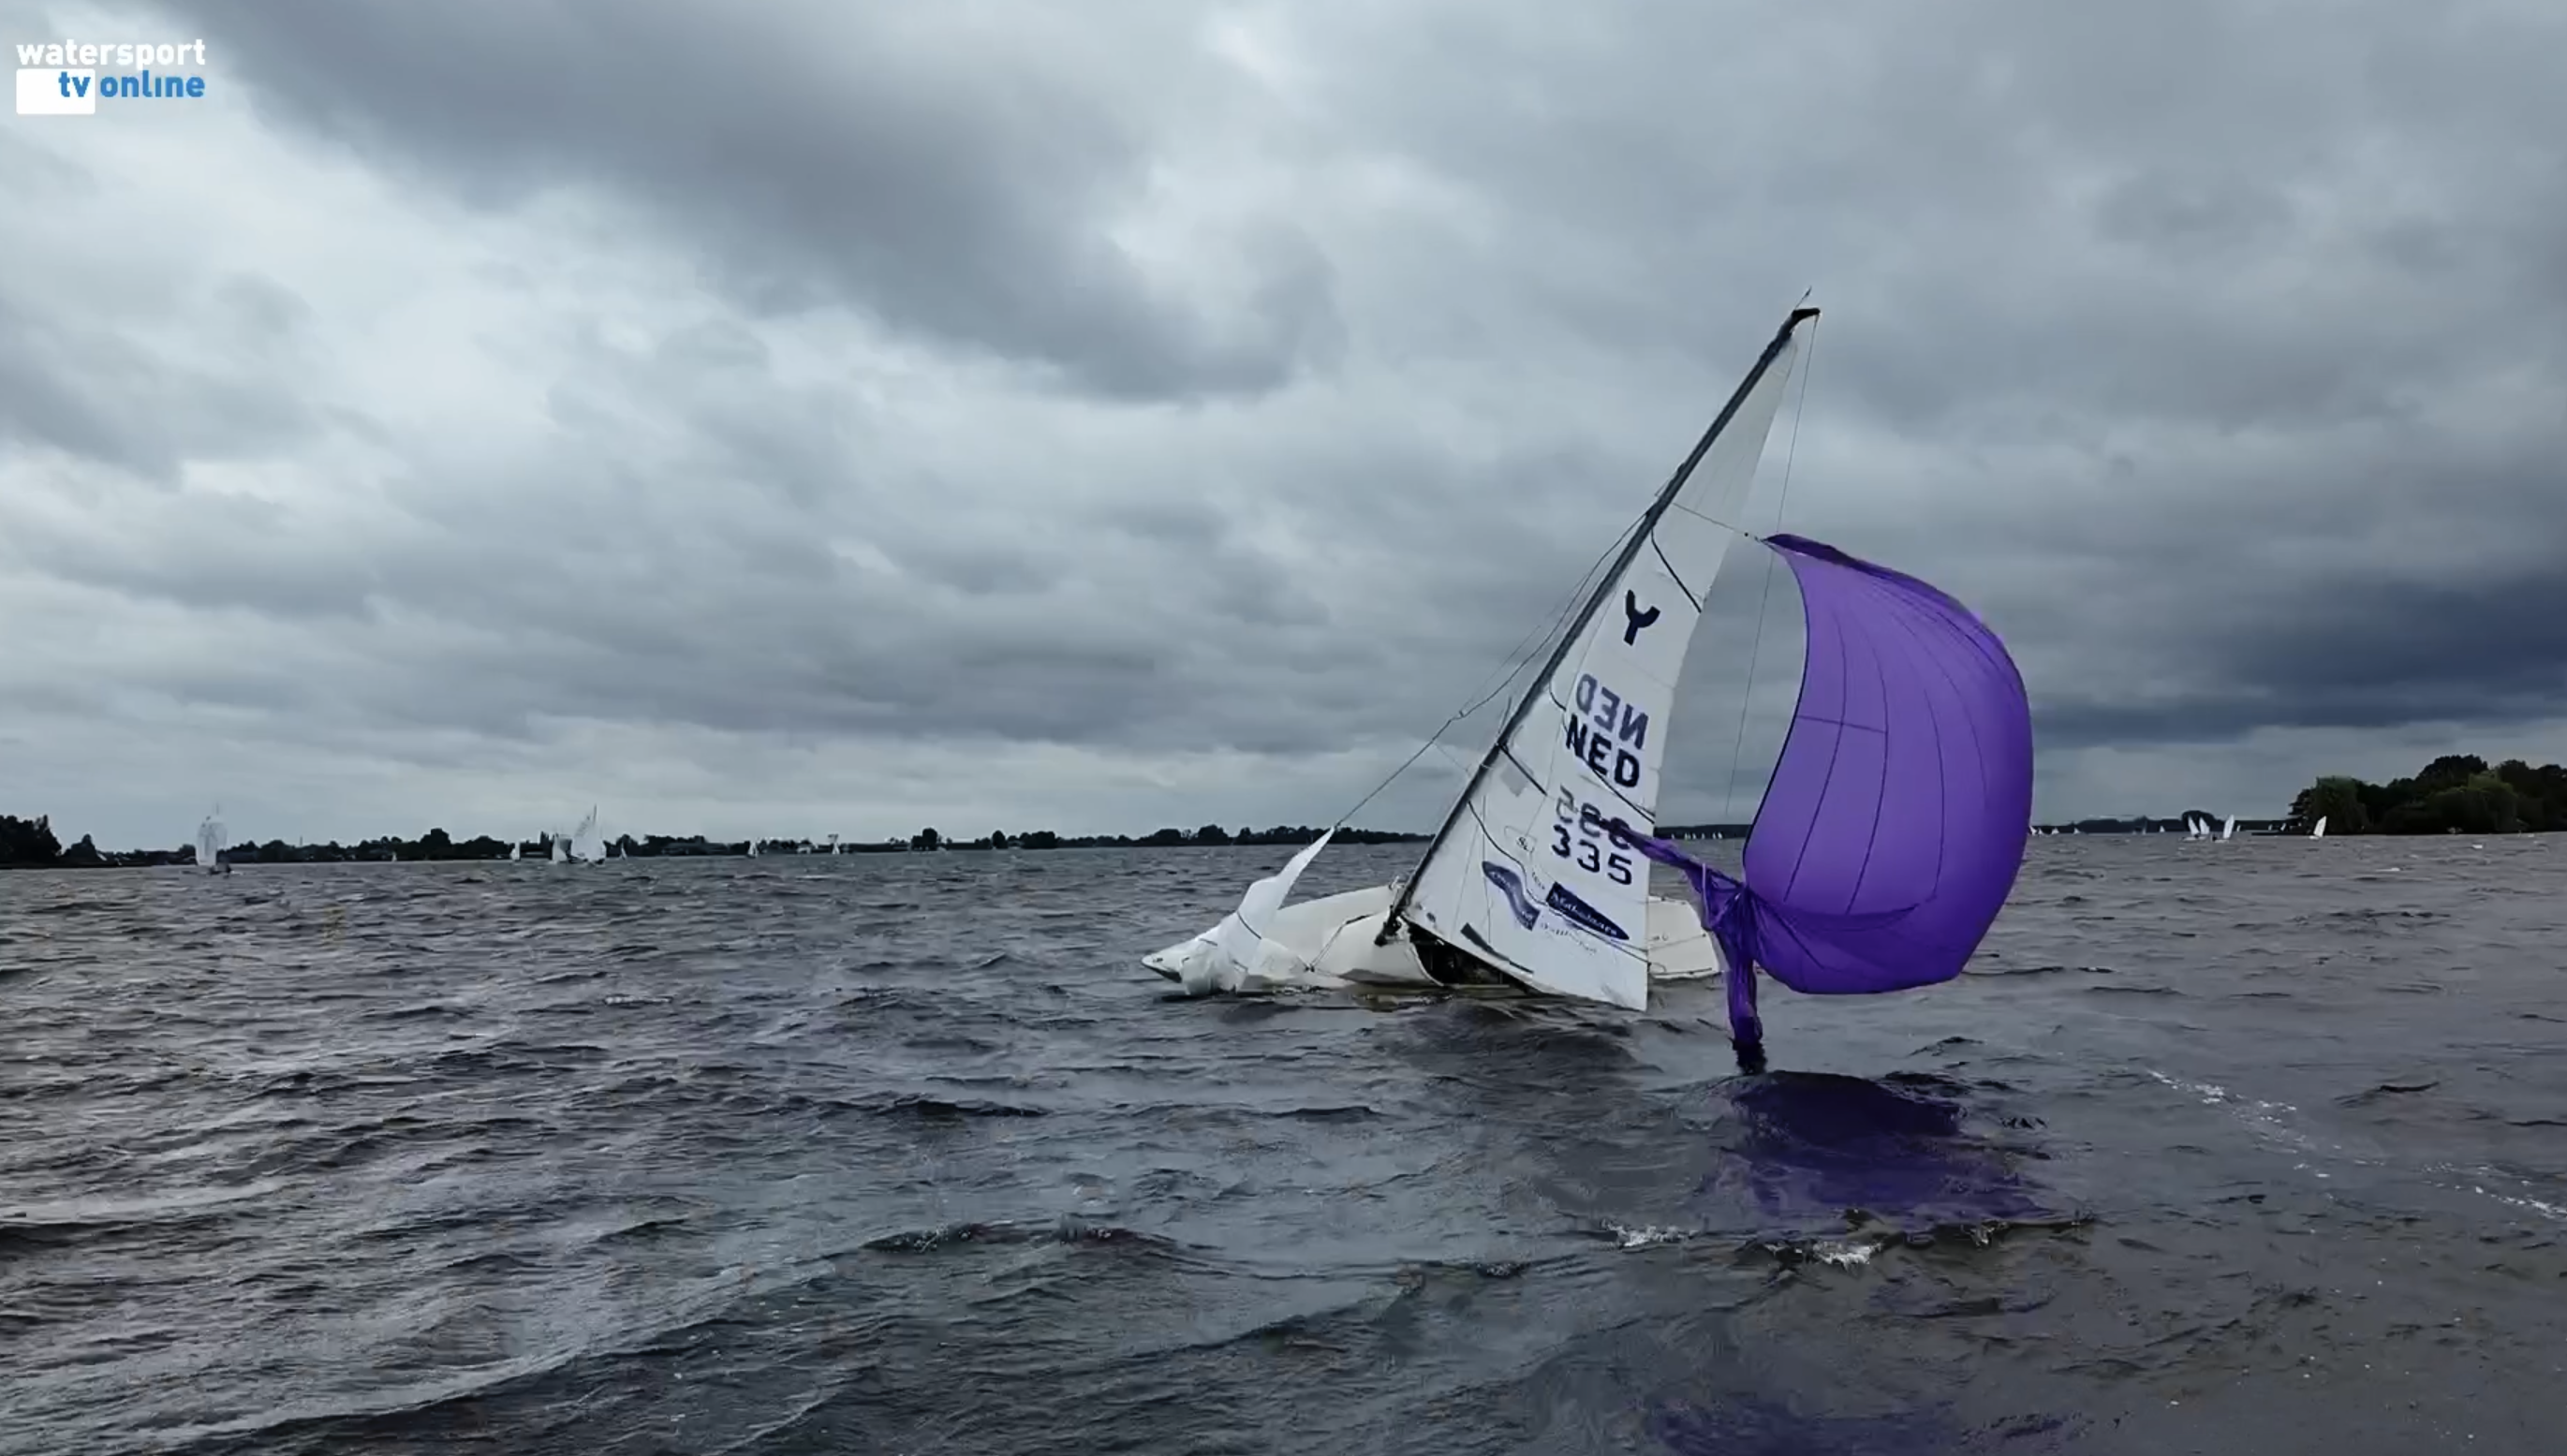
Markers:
1634,618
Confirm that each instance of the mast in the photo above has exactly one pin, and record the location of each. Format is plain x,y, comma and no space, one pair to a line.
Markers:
1540,685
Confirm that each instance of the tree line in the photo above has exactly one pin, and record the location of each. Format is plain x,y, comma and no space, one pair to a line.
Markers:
2457,793
33,844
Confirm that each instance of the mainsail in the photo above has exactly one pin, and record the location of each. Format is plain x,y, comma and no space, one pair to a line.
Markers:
1523,876
1891,832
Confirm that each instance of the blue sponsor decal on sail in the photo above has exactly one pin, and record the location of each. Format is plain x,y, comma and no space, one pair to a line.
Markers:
1582,915
1512,885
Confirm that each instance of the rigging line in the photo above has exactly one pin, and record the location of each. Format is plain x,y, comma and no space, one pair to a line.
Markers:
1517,654
1550,624
1765,598
1715,520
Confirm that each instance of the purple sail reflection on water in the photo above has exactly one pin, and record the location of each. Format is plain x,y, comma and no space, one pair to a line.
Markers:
1894,824
1799,1150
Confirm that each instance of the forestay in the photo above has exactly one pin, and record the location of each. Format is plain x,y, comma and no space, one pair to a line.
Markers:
1893,830
1525,876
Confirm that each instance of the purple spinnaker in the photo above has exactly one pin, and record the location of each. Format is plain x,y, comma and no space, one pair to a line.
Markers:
1895,821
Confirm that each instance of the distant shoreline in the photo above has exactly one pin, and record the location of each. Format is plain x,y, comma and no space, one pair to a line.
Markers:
31,844
2453,794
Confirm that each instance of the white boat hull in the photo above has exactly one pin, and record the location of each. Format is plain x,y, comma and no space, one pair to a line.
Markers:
1328,944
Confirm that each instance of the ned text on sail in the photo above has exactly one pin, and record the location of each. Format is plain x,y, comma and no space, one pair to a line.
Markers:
1602,718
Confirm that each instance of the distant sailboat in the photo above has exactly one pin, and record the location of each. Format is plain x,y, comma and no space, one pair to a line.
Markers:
211,840
2318,830
1890,836
585,844
2229,829
517,851
752,849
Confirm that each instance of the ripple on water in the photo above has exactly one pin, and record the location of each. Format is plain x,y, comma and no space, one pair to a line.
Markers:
2247,1149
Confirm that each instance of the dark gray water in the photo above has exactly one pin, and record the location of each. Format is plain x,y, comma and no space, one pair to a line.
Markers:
2255,1147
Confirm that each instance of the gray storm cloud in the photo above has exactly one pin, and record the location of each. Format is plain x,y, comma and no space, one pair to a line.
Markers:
1118,414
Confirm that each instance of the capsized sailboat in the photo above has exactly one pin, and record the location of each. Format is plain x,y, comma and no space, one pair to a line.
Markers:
1527,881
1517,884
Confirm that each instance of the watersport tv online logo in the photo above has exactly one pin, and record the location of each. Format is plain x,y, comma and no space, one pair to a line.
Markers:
63,79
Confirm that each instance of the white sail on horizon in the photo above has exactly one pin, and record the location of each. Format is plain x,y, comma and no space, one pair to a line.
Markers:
212,838
586,845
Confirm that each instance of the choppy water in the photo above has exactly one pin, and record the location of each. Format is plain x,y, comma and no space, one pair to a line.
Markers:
2248,1147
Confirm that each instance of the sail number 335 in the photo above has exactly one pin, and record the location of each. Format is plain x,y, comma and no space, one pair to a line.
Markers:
1579,834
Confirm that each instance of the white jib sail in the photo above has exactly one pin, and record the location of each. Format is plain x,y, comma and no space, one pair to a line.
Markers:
1230,955
1529,880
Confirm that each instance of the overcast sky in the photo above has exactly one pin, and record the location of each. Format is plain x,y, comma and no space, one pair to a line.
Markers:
807,417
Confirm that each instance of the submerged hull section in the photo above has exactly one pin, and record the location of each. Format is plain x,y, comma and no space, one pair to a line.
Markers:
1328,944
